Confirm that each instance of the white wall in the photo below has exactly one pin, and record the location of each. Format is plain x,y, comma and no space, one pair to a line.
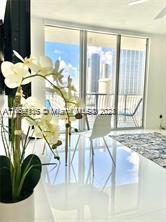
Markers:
156,83
37,49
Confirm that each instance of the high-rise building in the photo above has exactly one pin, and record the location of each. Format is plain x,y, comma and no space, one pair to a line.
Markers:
106,70
131,72
95,72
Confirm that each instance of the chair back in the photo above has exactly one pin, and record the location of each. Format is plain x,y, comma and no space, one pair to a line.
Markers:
129,105
136,108
102,126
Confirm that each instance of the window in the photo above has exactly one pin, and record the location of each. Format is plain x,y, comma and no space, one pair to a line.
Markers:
64,45
104,86
131,82
101,63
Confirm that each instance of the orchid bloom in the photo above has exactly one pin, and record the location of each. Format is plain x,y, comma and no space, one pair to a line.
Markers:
47,127
33,108
32,103
45,66
42,66
44,125
14,74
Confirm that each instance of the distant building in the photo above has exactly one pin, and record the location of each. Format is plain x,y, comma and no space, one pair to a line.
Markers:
106,71
95,72
131,72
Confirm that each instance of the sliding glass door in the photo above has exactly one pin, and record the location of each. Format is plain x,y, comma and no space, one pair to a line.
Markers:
131,82
101,76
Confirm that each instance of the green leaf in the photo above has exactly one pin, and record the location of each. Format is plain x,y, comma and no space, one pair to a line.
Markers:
31,171
30,182
31,160
5,185
5,162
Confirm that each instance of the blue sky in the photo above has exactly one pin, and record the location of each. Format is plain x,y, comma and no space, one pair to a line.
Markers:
70,53
67,52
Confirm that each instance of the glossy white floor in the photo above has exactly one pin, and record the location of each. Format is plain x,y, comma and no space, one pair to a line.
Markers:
133,191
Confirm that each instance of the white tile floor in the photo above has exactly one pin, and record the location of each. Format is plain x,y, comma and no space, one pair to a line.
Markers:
133,191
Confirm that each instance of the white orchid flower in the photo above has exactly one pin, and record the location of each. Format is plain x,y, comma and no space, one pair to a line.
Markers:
43,65
47,127
32,102
14,74
46,65
33,108
29,62
18,56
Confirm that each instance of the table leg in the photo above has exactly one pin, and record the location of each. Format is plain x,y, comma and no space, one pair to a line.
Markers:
66,145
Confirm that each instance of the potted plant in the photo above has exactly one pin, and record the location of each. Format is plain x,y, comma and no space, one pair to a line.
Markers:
19,173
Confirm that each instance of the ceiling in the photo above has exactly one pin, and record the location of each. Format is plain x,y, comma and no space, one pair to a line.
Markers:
115,14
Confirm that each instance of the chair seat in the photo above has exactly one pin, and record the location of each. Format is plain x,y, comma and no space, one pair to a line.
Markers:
125,114
87,133
101,128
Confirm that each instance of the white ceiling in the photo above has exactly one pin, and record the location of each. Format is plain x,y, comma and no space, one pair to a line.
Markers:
114,14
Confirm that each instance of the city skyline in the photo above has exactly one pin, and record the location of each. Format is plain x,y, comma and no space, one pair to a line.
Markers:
101,64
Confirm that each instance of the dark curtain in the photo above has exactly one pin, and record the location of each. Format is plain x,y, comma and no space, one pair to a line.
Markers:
16,35
2,85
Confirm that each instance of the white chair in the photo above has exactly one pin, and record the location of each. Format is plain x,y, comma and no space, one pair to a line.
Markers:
101,128
131,112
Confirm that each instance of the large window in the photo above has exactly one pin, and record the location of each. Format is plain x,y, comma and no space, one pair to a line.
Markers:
112,77
131,82
64,45
101,62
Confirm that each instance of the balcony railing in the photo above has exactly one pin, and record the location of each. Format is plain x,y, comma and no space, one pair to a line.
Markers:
127,104
129,110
